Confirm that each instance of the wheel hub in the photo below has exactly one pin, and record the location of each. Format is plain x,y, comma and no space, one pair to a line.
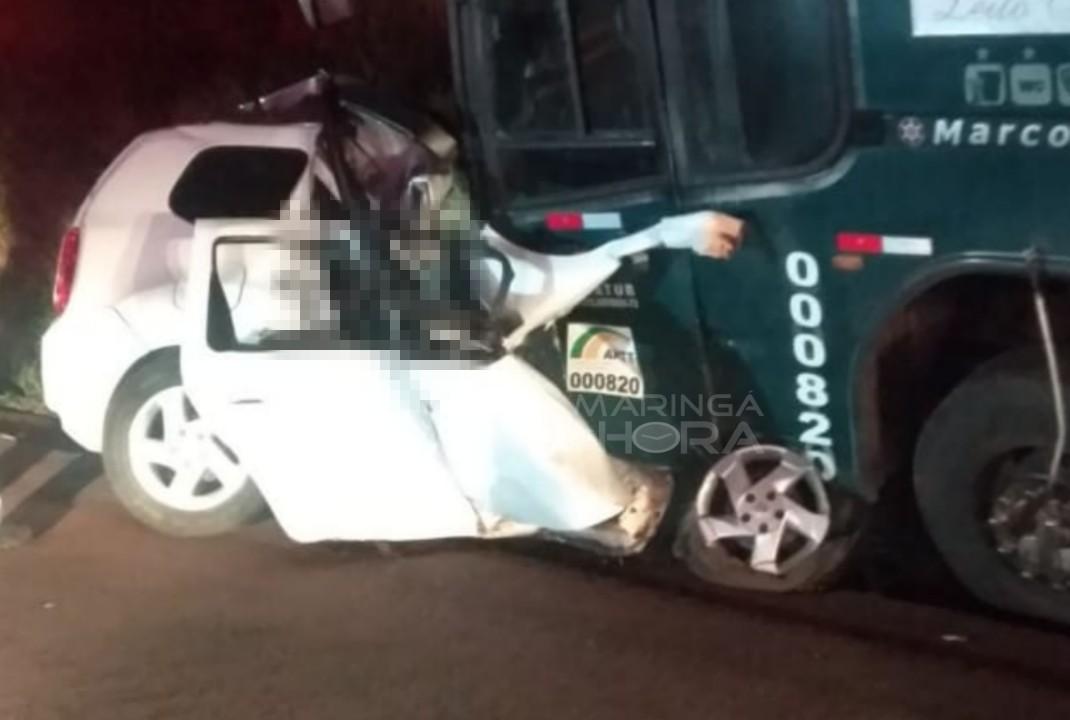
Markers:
1030,525
190,445
177,460
760,515
766,506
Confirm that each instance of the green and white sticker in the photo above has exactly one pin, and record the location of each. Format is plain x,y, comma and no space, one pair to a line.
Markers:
603,360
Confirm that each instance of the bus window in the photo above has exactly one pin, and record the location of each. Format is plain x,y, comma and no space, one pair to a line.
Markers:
570,108
759,83
604,46
532,70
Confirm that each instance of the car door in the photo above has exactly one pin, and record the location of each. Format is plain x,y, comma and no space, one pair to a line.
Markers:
337,443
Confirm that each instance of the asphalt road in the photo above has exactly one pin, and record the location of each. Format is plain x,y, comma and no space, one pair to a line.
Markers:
102,619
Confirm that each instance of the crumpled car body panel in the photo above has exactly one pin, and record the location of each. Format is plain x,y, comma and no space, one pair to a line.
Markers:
362,444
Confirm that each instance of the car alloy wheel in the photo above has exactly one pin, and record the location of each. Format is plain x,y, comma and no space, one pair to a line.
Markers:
176,460
766,506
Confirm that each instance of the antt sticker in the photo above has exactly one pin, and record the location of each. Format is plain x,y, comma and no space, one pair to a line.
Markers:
603,360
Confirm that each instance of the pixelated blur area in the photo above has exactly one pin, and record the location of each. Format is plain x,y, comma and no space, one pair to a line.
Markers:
410,286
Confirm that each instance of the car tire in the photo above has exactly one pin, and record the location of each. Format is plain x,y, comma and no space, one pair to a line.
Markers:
1003,408
239,505
719,568
721,565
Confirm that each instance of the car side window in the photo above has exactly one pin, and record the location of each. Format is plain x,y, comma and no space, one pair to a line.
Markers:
237,182
268,295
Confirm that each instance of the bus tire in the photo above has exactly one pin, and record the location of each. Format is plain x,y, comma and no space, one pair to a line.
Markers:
969,456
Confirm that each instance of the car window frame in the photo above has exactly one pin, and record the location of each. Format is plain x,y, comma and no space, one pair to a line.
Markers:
221,336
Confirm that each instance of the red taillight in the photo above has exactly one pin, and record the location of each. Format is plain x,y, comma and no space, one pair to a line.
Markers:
65,265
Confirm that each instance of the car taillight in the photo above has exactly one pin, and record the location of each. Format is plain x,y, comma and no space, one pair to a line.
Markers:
65,265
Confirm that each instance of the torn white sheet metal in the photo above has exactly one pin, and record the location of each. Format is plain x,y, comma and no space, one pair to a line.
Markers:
343,449
346,446
358,445
547,287
519,449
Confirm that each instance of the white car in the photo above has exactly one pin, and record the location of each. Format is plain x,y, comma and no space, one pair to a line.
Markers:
355,439
110,361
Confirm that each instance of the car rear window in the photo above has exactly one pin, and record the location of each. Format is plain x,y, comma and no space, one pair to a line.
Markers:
237,182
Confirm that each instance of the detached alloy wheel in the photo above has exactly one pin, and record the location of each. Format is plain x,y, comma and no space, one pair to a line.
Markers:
762,520
164,465
981,479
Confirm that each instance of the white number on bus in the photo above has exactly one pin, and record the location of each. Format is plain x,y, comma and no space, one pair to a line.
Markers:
811,355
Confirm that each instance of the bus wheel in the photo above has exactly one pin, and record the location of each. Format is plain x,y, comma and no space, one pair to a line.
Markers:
763,520
981,478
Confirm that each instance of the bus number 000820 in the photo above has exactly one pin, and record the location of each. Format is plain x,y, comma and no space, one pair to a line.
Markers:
604,383
811,355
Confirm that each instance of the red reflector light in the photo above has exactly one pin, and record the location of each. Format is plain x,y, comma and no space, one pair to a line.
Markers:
66,262
859,243
564,222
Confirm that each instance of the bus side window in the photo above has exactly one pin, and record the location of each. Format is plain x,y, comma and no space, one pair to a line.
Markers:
606,55
758,83
786,66
532,42
570,107
531,67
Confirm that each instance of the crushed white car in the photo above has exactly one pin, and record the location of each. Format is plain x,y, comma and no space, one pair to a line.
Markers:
110,362
361,441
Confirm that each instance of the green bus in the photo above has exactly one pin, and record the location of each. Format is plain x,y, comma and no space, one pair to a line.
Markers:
896,313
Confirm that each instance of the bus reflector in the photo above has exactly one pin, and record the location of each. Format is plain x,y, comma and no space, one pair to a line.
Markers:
564,222
865,244
573,222
858,243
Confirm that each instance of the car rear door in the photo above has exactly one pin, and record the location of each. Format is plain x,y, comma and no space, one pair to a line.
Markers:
338,445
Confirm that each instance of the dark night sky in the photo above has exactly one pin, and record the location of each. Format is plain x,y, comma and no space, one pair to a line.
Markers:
80,78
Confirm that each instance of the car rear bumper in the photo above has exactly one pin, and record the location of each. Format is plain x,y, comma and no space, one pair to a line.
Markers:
84,355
